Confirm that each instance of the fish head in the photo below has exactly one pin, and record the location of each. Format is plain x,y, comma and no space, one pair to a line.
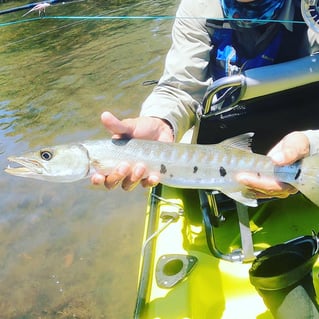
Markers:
63,163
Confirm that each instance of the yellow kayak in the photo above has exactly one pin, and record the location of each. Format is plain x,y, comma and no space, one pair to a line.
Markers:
205,256
189,271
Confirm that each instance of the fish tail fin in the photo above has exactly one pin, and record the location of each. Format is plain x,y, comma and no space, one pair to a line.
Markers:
308,180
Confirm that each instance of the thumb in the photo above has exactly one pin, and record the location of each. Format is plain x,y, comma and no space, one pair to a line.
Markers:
117,127
291,148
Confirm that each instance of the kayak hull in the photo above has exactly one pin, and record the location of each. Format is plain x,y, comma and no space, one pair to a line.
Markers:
180,277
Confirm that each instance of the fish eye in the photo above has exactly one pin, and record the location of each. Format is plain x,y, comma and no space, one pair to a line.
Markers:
46,155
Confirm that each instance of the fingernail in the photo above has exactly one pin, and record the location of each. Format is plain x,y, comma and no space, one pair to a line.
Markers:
105,115
113,185
139,170
97,179
129,188
153,180
123,169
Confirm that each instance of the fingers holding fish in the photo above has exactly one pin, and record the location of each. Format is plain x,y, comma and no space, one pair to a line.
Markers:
117,127
97,179
112,180
150,128
141,127
290,149
134,178
150,181
265,187
126,175
137,176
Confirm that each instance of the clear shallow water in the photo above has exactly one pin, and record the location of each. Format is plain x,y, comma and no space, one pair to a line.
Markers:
72,250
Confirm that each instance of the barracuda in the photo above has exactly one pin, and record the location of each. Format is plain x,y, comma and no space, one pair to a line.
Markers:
177,165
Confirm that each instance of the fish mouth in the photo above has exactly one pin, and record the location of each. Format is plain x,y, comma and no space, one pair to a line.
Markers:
27,167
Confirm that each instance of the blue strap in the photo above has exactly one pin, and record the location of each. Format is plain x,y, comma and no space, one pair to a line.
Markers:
225,60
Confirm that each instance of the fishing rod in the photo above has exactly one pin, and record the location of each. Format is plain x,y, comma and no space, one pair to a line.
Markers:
32,5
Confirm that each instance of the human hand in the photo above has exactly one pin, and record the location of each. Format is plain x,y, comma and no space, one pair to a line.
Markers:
150,128
290,149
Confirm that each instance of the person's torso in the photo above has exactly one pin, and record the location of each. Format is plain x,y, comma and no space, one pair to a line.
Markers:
273,116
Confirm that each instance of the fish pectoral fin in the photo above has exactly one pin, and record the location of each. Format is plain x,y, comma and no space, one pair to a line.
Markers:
244,197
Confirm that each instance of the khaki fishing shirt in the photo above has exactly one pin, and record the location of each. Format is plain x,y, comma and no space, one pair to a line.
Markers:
186,76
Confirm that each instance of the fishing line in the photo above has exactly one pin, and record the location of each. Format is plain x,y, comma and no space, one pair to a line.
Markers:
160,17
75,17
81,19
34,4
66,25
104,17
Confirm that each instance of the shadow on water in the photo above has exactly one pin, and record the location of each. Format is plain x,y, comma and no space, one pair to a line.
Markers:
72,250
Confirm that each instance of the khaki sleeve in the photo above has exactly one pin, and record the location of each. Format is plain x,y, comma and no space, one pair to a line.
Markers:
313,137
185,77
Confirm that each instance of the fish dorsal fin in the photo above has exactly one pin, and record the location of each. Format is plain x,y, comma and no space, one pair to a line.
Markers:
242,142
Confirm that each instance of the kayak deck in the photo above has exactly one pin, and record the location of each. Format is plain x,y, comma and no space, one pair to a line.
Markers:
180,277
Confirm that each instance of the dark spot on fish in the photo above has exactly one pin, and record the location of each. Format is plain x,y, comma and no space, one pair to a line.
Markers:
298,174
171,175
163,169
258,174
120,142
195,169
222,171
